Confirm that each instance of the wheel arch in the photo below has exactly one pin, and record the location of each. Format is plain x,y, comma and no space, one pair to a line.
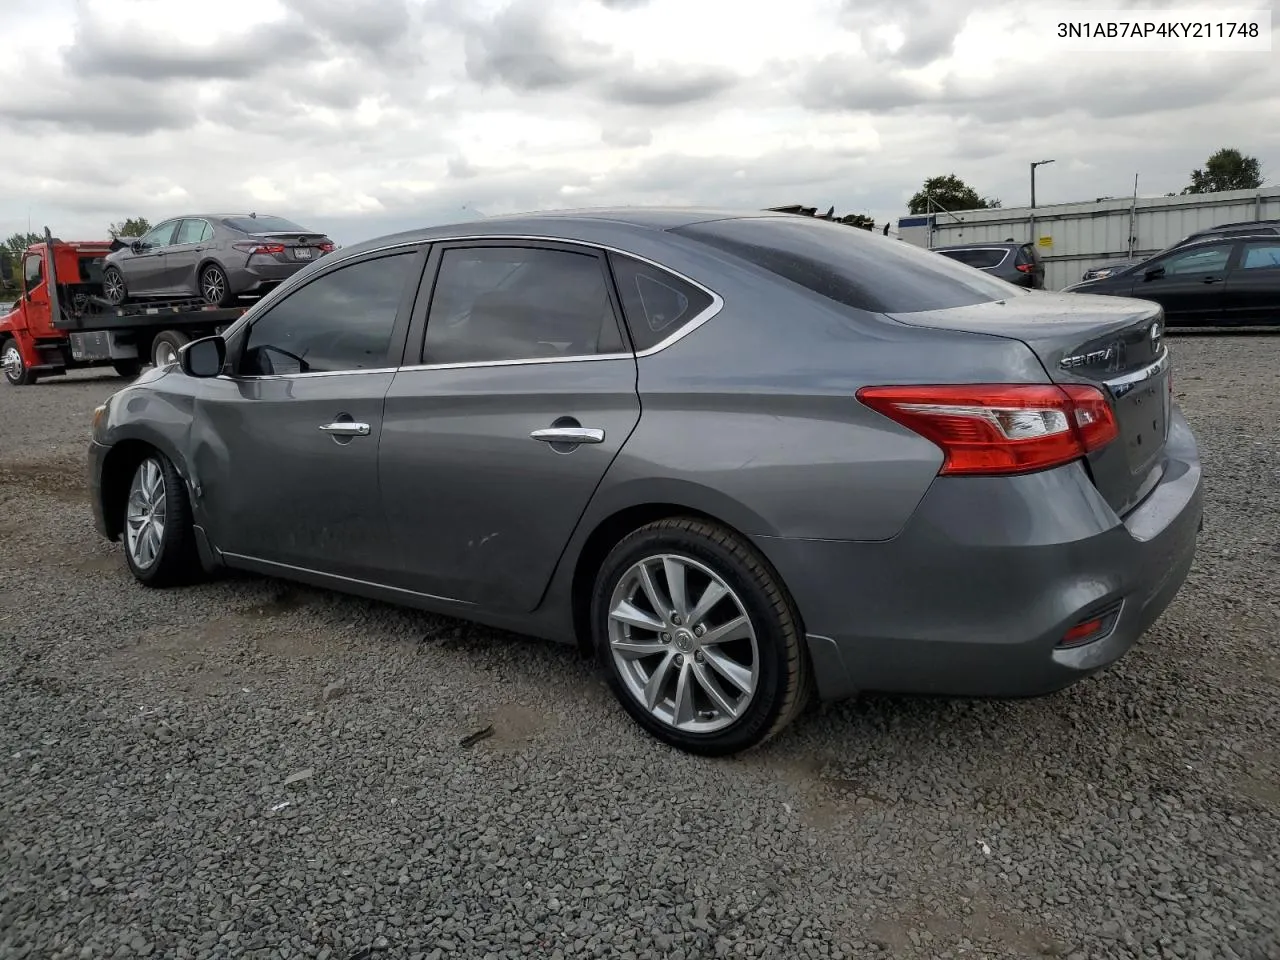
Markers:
117,472
609,530
212,261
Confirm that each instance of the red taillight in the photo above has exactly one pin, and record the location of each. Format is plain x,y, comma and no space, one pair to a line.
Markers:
1026,267
252,248
1001,428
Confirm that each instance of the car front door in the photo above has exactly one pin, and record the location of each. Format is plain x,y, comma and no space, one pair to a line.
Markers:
1252,293
1188,283
285,446
508,413
144,268
183,257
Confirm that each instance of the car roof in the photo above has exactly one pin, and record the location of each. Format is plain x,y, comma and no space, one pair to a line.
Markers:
1196,240
978,246
1236,225
570,224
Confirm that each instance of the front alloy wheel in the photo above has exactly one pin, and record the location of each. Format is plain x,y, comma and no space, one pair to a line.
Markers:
113,288
159,542
698,637
145,515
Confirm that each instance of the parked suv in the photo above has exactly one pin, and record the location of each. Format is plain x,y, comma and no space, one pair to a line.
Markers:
1017,263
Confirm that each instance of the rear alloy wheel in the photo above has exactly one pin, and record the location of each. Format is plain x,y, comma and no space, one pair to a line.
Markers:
159,544
698,637
113,288
214,286
15,368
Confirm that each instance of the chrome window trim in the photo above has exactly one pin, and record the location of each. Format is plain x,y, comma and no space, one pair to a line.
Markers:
716,305
1119,386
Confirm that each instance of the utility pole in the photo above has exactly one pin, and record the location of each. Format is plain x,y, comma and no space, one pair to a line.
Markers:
1037,163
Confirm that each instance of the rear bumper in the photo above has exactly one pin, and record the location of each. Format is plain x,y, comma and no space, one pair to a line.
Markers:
974,595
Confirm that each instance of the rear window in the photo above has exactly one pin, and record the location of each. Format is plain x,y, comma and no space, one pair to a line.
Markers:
264,225
854,267
975,258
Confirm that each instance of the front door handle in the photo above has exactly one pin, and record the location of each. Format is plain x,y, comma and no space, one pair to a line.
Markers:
1212,280
345,428
569,435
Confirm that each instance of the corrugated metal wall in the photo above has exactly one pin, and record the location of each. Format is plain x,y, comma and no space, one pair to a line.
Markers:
1084,235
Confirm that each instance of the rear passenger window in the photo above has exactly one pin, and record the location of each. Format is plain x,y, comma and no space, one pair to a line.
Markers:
656,304
492,304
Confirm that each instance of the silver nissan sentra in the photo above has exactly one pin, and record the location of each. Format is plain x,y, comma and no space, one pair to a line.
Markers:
740,458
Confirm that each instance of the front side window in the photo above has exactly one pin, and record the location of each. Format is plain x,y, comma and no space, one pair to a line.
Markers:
1261,256
340,321
519,303
655,303
161,236
1209,260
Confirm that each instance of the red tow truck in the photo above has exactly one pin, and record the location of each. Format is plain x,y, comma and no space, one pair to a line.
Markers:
62,322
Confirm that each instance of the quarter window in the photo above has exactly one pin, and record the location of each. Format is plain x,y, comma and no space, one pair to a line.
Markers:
1261,256
340,321
655,303
519,303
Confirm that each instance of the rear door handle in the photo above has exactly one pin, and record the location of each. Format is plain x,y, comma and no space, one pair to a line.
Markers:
1212,280
569,435
345,428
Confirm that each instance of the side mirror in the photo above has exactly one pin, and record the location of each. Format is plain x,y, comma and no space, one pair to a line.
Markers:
204,357
137,246
1153,273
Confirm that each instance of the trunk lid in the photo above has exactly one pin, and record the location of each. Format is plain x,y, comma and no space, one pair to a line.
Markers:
1114,343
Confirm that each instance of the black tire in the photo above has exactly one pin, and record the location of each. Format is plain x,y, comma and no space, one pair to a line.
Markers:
174,560
114,290
783,673
127,368
168,340
16,371
215,288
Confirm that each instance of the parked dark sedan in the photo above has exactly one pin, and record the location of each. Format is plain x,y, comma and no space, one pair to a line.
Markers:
1016,263
219,258
1230,281
738,457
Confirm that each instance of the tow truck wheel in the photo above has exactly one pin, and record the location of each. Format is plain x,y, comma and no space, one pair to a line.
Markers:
214,286
15,370
165,347
127,368
113,288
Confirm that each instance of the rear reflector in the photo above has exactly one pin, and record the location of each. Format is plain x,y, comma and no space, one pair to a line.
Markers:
1000,428
1096,627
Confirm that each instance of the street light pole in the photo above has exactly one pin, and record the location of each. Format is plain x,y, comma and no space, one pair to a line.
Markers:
1037,163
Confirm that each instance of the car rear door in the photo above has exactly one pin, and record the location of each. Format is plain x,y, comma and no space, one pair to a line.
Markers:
285,447
1188,283
1252,294
518,393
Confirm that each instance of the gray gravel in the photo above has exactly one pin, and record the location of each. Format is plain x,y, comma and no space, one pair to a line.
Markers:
248,769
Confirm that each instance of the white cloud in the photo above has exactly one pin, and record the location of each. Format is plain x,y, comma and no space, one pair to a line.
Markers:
360,116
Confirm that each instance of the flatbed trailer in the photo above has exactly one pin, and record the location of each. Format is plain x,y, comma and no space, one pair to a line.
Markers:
61,321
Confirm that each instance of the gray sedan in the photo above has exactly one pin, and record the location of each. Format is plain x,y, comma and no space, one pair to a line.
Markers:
740,458
216,257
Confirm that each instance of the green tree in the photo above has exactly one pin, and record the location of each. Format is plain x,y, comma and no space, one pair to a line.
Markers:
18,242
948,193
1228,169
859,220
131,227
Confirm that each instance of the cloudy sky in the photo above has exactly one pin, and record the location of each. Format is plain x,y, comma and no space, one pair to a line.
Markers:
365,116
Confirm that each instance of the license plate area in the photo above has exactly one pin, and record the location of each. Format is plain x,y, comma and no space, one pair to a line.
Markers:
302,253
1144,419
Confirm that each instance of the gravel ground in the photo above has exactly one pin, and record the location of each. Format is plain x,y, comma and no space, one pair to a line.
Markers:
248,769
